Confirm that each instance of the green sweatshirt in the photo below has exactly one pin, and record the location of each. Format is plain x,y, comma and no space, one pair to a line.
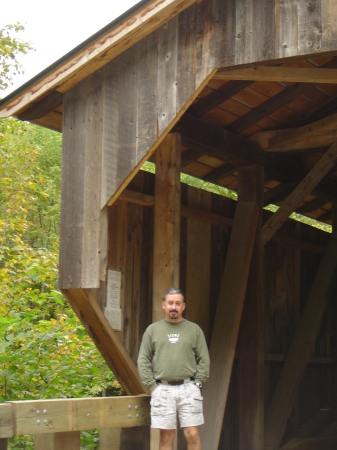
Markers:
173,351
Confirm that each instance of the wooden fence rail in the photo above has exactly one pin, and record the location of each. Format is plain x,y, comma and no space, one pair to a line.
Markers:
56,424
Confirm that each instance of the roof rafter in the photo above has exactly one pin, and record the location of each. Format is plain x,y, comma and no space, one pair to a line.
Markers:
286,74
214,141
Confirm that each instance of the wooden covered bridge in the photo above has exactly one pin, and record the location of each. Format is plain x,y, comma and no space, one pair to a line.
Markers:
242,94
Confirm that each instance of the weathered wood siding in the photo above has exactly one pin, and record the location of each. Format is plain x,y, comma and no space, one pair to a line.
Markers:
83,223
114,119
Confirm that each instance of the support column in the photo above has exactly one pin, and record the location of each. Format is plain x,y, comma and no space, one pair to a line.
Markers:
166,229
58,441
166,221
251,343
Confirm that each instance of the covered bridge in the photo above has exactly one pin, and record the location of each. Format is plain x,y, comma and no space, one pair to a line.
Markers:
242,94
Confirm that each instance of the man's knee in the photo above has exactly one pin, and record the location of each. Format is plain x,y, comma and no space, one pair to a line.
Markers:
167,436
192,435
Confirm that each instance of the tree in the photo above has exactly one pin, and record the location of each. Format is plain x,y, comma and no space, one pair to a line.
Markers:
10,49
44,350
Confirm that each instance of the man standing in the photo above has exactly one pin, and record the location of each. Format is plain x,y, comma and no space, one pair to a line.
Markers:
173,363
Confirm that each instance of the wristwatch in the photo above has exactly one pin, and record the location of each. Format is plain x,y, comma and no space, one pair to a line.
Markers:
199,385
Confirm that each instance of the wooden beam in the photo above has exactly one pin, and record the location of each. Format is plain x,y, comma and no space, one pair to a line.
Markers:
281,74
66,415
317,173
268,107
166,241
198,261
215,141
251,337
109,439
228,147
311,206
318,134
190,156
166,221
221,172
58,441
300,349
6,421
218,96
227,320
42,107
278,193
106,340
186,211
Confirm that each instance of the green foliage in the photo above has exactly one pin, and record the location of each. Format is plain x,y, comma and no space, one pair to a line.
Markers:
220,190
44,350
10,49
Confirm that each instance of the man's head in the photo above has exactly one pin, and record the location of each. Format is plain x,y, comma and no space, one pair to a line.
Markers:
174,305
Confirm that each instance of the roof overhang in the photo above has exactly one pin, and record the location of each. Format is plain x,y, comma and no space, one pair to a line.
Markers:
92,54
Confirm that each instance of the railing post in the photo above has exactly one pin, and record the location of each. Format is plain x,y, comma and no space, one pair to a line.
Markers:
3,443
69,440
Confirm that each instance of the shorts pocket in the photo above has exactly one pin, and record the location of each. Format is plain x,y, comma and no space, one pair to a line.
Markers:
156,407
197,404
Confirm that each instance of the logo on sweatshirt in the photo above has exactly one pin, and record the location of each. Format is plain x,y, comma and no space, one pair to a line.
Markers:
173,338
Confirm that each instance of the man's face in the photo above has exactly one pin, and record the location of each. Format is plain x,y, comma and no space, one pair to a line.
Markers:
173,307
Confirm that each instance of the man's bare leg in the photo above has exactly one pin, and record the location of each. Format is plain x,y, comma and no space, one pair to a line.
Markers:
166,439
192,438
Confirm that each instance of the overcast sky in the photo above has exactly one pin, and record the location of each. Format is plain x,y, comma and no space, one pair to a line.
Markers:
55,28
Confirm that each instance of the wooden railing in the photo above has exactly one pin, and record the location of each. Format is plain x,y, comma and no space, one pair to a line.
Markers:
56,424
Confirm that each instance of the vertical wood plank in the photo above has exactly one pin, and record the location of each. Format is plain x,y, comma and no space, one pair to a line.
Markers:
286,28
263,29
244,31
251,338
227,320
92,216
309,27
72,187
109,130
147,92
127,113
3,443
187,23
329,25
198,262
205,62
81,178
166,221
225,20
167,73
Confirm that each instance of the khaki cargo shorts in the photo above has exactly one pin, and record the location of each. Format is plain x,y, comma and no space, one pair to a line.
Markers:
167,401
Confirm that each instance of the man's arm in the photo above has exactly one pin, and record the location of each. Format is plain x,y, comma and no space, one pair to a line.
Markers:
202,358
144,362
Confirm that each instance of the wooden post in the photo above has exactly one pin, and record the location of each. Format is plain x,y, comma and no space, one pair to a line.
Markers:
227,320
198,262
58,441
251,337
110,439
3,443
166,229
166,221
